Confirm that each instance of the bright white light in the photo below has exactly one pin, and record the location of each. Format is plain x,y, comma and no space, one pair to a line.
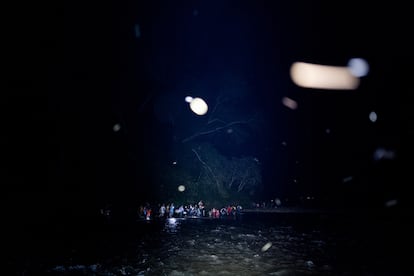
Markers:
322,76
188,99
199,106
181,188
172,220
358,67
116,127
373,116
174,162
266,246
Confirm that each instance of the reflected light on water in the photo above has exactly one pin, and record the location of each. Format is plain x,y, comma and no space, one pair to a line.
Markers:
300,245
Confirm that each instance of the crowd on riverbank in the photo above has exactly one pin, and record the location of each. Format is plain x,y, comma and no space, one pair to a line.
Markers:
148,211
170,210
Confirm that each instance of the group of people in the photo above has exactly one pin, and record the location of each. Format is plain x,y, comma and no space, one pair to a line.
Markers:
192,210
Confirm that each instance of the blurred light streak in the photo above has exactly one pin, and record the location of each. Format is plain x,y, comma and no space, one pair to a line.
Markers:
266,246
347,179
381,153
391,203
317,76
289,103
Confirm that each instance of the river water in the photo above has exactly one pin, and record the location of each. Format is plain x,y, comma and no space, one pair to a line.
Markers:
249,244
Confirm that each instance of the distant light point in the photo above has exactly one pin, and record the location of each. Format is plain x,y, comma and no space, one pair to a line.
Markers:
373,117
289,103
174,162
188,99
278,202
347,179
381,153
391,203
116,127
181,188
358,67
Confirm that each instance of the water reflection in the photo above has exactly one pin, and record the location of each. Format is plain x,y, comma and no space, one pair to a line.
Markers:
217,248
172,225
252,245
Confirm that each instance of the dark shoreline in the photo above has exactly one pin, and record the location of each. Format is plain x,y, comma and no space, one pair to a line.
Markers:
289,210
338,211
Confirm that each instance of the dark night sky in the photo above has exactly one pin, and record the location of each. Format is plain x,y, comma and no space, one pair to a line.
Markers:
77,69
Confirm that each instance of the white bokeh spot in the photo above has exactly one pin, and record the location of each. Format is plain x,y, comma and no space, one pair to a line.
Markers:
373,116
198,106
358,67
116,127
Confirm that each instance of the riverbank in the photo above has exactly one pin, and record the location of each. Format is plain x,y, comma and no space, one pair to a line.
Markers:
352,211
290,210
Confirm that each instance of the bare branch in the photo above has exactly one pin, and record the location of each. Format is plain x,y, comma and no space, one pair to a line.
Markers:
232,179
214,130
219,100
198,178
241,185
207,167
146,101
216,120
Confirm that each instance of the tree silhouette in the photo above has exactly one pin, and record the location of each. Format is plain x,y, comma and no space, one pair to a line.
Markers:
210,155
208,175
